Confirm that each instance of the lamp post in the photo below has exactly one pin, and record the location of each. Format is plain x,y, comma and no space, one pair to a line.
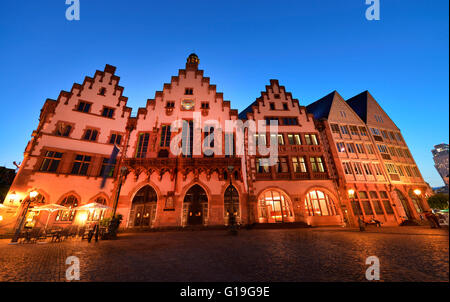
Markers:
123,170
15,238
232,218
417,192
351,194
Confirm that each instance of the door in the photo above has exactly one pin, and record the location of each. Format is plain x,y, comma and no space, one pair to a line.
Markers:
196,201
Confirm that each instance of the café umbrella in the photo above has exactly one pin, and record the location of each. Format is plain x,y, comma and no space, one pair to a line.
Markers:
51,208
92,207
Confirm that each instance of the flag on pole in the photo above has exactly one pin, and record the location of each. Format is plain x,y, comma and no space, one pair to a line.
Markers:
111,163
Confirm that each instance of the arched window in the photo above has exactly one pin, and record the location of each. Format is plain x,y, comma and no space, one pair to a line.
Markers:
97,214
416,201
317,203
274,206
231,202
67,215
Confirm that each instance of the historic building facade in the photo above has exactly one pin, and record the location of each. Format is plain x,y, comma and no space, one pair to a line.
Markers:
376,175
68,159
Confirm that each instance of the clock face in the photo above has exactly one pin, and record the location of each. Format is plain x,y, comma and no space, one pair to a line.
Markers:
188,104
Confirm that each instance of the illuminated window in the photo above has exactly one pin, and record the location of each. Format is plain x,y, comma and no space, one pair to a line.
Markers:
97,214
279,138
69,202
274,206
262,165
317,203
298,164
231,202
317,164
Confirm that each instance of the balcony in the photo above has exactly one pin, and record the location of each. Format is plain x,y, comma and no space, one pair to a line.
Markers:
183,162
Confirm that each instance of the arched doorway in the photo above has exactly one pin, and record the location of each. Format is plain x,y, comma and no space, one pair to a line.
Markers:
404,203
195,206
231,204
274,206
143,209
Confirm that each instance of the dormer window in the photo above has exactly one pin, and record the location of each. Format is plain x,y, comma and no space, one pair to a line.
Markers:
205,105
189,91
170,104
108,112
102,91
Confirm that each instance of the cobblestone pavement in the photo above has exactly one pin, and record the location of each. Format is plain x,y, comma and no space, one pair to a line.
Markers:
319,254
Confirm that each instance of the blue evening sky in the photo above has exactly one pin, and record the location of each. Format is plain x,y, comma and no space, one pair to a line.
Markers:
313,47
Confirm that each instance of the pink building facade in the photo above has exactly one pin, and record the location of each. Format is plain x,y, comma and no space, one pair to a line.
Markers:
214,176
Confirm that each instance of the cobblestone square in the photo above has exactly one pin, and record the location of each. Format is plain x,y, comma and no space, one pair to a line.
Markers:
292,255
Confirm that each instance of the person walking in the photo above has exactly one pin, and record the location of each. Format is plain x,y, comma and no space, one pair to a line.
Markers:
362,226
432,219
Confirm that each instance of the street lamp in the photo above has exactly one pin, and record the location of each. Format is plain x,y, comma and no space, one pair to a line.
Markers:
232,218
33,195
351,193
